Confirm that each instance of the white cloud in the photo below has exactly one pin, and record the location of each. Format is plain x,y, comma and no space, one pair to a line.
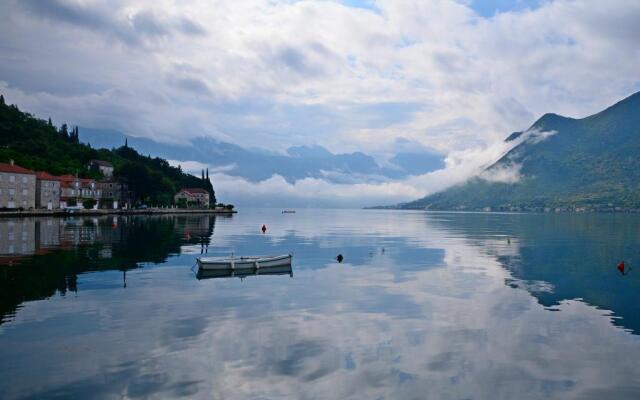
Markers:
278,73
534,136
502,174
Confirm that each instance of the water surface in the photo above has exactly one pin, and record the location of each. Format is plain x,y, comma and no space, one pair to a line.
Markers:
425,305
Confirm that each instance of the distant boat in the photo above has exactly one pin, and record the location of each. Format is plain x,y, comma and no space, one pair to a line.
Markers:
247,262
288,211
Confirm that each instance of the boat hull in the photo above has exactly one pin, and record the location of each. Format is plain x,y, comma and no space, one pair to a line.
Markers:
243,273
238,263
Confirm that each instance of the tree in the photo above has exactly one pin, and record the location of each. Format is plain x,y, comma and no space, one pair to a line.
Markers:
1,99
75,138
64,130
89,203
49,122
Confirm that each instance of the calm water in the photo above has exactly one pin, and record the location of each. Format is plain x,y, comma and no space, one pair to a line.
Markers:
447,306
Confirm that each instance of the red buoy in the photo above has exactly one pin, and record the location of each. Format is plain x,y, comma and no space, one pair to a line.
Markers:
621,267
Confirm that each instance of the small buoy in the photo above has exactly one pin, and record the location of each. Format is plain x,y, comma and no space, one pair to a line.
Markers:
264,228
339,258
621,267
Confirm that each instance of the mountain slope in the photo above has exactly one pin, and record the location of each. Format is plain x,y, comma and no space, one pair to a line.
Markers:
592,162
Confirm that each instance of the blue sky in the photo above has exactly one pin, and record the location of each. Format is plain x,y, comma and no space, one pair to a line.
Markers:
488,8
452,76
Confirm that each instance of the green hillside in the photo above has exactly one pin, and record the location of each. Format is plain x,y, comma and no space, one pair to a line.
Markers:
592,162
38,145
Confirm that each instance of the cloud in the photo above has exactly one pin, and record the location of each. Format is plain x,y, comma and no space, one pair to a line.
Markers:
502,174
535,136
131,28
356,76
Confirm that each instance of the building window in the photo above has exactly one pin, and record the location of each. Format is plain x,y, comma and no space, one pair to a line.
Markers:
12,192
25,192
12,178
24,179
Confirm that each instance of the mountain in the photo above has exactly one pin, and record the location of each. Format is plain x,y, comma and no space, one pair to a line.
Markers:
593,162
255,165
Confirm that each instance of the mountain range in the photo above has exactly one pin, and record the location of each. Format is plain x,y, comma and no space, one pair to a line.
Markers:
559,162
256,164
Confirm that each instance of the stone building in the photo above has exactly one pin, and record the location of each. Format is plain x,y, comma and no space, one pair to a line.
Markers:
103,166
114,194
17,186
47,191
192,197
74,191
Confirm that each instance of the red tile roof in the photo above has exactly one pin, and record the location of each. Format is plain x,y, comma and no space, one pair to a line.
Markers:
45,176
102,163
66,180
194,190
16,169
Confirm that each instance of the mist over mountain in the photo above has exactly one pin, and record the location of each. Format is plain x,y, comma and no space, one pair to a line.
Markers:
255,165
563,162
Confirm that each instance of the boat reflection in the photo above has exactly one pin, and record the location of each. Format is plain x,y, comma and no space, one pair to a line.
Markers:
243,273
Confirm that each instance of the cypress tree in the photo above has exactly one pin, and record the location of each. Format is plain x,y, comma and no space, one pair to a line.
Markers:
49,122
1,99
203,174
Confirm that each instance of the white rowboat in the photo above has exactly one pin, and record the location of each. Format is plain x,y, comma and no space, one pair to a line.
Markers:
247,262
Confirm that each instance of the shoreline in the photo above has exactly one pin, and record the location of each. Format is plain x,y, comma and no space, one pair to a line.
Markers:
83,213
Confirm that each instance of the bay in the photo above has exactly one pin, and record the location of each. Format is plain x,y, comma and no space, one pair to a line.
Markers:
424,305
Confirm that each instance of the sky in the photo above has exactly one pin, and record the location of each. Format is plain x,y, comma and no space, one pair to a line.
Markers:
454,77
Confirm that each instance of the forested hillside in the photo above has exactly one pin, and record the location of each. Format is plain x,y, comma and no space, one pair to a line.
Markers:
39,145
